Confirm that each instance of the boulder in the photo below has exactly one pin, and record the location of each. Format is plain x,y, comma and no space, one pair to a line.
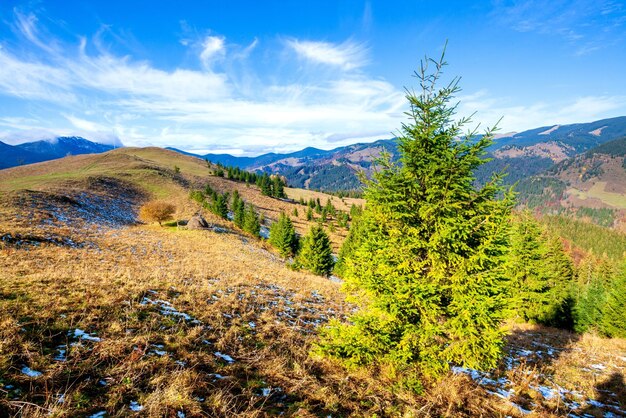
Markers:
197,222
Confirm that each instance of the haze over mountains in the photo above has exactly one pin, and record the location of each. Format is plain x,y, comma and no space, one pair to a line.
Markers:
521,154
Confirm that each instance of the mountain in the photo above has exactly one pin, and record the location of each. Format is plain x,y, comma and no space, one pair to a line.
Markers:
591,185
11,156
522,155
50,149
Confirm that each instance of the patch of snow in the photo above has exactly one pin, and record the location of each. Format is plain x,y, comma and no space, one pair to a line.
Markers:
598,366
100,414
224,357
266,391
251,324
60,355
521,409
180,414
82,335
60,397
595,403
30,372
546,392
134,406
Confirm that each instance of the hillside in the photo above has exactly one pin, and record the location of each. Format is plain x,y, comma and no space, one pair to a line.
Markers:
44,150
592,184
102,316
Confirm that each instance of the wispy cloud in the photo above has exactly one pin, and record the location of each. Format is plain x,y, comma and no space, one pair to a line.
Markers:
518,117
104,95
576,22
348,55
212,49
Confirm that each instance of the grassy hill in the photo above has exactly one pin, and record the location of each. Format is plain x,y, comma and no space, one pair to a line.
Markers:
102,316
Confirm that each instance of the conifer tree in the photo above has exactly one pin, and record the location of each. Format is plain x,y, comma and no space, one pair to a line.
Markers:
561,281
309,214
238,208
428,273
527,270
283,236
590,306
251,222
278,188
613,322
220,205
316,253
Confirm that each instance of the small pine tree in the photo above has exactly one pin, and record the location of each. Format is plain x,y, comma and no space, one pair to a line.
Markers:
283,236
220,206
613,323
309,214
330,208
561,281
427,273
527,270
301,201
589,306
251,222
355,211
265,184
295,212
278,188
316,253
238,208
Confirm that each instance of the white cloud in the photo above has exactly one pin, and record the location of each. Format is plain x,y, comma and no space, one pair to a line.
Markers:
212,49
347,55
520,117
72,90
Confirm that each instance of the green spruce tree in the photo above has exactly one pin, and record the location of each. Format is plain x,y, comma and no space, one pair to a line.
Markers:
220,205
428,273
283,236
316,253
613,323
251,223
238,208
527,270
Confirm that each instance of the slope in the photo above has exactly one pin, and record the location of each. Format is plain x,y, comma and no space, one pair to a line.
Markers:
592,183
112,319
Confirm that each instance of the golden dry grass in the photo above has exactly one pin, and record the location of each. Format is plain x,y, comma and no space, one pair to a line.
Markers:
170,307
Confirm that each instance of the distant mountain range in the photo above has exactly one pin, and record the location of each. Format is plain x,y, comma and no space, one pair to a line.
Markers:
521,154
50,149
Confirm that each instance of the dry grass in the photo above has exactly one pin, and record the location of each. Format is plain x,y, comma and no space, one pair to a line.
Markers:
165,309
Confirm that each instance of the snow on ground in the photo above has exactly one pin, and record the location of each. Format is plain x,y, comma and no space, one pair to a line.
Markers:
498,384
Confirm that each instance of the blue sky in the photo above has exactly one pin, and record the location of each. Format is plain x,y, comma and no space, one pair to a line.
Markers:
248,77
